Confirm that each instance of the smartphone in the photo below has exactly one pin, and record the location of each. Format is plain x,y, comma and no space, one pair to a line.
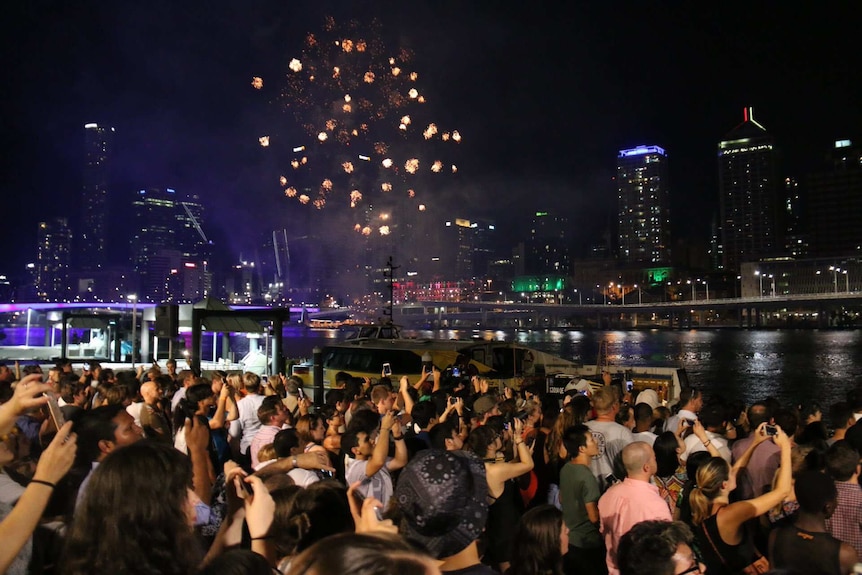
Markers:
300,392
387,369
629,385
54,409
246,486
771,430
264,379
456,372
360,499
453,400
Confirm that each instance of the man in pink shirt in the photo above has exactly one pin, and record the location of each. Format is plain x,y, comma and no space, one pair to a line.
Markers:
632,501
273,415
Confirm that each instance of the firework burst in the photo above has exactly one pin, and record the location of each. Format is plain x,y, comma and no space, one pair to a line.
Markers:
366,135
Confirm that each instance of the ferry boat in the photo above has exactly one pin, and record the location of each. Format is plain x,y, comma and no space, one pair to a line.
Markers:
502,363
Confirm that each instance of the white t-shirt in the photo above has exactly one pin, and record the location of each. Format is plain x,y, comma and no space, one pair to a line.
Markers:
378,485
611,438
645,436
303,477
693,445
135,411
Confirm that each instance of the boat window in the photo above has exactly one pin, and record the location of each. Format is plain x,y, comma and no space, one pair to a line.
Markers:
478,354
355,360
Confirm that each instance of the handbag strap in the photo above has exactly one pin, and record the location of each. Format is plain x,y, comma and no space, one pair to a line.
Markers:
708,538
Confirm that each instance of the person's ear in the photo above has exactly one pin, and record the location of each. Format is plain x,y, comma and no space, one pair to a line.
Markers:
106,446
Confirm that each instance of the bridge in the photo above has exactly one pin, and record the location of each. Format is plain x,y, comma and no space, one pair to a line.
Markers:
803,310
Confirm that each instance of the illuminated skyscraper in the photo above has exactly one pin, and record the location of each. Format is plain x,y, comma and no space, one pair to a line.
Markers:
749,193
644,206
168,237
93,233
52,259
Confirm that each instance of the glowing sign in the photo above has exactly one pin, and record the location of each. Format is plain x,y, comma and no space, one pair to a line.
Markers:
538,284
641,150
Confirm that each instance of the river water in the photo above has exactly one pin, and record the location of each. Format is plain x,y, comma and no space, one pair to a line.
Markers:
792,365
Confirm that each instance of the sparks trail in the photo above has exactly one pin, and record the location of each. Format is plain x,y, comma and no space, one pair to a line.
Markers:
363,132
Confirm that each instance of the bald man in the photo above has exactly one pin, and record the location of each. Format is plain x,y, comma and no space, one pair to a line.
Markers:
631,501
154,422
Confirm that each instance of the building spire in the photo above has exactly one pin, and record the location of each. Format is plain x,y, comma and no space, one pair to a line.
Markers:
748,116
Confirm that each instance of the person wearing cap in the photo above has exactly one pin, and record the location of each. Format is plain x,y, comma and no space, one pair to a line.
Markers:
484,407
442,499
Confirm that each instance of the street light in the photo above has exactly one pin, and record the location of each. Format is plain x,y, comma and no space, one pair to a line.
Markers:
134,299
640,294
622,291
706,285
772,277
693,293
846,280
580,299
760,275
835,271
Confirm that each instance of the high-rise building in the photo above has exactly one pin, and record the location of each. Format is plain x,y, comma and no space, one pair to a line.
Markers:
795,237
470,247
644,205
168,235
52,260
99,143
747,183
547,249
835,203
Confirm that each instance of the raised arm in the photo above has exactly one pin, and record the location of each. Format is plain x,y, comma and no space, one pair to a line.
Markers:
700,433
381,448
759,437
741,511
405,396
400,459
28,394
218,419
18,526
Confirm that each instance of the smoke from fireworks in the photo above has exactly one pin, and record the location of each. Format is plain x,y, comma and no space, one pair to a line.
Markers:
366,136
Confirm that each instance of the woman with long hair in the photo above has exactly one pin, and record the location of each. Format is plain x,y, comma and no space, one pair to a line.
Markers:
311,431
720,526
671,475
136,516
196,404
541,539
503,497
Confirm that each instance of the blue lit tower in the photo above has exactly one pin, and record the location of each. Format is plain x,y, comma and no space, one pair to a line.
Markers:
644,206
747,182
99,143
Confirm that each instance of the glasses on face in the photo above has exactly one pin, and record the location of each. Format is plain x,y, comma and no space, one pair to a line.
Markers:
693,569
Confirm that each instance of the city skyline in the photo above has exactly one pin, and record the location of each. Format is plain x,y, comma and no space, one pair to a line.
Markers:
544,99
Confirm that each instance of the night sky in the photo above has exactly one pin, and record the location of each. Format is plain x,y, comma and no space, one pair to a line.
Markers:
543,93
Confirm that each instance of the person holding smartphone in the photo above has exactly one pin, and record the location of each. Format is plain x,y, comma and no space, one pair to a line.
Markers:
371,465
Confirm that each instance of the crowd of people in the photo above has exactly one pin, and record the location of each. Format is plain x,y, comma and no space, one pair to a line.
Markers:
162,471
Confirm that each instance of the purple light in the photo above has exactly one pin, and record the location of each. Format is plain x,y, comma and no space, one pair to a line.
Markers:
641,150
